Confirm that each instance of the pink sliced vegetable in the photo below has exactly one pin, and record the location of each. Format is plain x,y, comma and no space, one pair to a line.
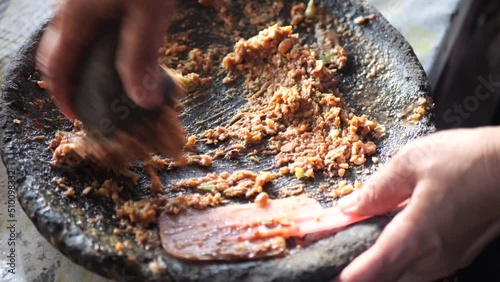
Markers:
248,231
324,220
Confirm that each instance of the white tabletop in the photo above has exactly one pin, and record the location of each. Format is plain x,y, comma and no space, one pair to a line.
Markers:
429,25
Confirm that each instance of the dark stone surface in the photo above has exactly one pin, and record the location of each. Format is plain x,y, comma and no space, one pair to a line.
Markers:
65,221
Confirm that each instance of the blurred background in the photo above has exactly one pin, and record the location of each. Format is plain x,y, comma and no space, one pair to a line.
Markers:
457,42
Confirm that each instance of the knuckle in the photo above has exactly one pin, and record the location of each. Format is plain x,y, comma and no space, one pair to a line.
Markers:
410,155
366,196
402,172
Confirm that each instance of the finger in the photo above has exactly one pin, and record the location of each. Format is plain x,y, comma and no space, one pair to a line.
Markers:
385,190
56,4
439,265
409,249
487,237
58,89
137,61
395,249
63,43
440,274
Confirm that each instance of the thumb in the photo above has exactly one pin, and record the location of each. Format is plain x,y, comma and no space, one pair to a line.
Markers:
143,27
383,191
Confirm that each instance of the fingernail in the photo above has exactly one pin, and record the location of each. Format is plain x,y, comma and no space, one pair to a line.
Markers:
349,203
